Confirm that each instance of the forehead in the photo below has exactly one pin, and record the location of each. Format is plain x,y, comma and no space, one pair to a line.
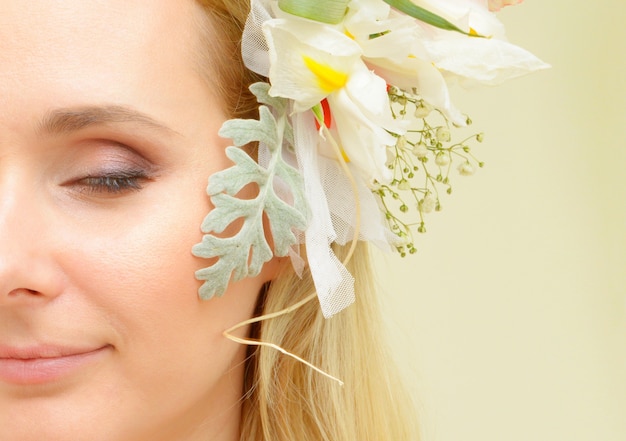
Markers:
58,53
75,29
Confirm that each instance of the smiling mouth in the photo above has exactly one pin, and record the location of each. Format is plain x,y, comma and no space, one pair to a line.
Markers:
42,365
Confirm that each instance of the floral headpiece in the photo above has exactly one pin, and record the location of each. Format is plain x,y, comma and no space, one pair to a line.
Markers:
354,130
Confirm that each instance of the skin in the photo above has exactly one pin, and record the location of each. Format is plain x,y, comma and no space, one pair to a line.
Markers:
85,264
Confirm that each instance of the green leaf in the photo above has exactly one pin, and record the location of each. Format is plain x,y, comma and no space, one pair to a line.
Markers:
325,11
410,8
244,252
262,92
245,131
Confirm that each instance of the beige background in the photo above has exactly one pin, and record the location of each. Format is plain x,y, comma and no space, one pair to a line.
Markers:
510,322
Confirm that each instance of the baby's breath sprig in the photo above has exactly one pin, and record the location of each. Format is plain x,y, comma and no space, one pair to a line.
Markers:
421,162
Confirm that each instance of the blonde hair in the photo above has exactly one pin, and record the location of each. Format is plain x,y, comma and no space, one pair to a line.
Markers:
285,400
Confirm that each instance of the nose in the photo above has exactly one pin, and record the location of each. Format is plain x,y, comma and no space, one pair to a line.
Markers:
28,269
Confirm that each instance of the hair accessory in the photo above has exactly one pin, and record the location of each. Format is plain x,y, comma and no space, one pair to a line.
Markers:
355,130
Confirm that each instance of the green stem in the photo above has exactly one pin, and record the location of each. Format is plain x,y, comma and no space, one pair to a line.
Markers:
425,15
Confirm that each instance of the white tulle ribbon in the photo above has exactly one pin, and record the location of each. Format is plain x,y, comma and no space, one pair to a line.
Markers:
254,48
333,283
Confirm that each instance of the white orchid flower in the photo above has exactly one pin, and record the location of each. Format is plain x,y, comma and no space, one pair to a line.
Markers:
319,62
490,60
392,47
411,54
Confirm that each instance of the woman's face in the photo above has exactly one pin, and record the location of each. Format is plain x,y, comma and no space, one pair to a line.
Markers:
107,137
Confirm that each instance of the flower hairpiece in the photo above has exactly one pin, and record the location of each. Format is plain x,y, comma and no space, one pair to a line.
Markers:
354,131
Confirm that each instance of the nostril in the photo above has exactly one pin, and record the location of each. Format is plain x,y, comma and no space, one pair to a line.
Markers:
35,281
23,291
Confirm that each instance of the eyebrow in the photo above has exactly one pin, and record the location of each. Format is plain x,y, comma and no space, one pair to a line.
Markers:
66,120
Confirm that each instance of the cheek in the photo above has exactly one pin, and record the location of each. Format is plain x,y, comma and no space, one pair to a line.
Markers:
137,256
137,273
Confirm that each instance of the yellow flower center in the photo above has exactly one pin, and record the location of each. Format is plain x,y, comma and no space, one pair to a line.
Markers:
328,79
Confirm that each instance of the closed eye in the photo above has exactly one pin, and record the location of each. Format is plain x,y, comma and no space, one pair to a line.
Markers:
112,183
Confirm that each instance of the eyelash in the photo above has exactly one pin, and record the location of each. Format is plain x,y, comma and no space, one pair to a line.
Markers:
115,182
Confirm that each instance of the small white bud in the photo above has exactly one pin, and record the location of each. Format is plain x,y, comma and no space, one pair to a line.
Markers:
466,169
404,185
442,159
401,142
428,203
375,186
420,150
443,134
401,240
422,110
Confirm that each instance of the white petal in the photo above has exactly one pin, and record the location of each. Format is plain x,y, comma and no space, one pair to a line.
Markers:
488,61
361,132
290,43
369,92
367,11
397,43
466,14
422,75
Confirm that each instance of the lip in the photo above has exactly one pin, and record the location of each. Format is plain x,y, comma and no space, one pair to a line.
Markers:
46,363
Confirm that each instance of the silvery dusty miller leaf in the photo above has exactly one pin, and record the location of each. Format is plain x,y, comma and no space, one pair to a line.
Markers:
243,253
